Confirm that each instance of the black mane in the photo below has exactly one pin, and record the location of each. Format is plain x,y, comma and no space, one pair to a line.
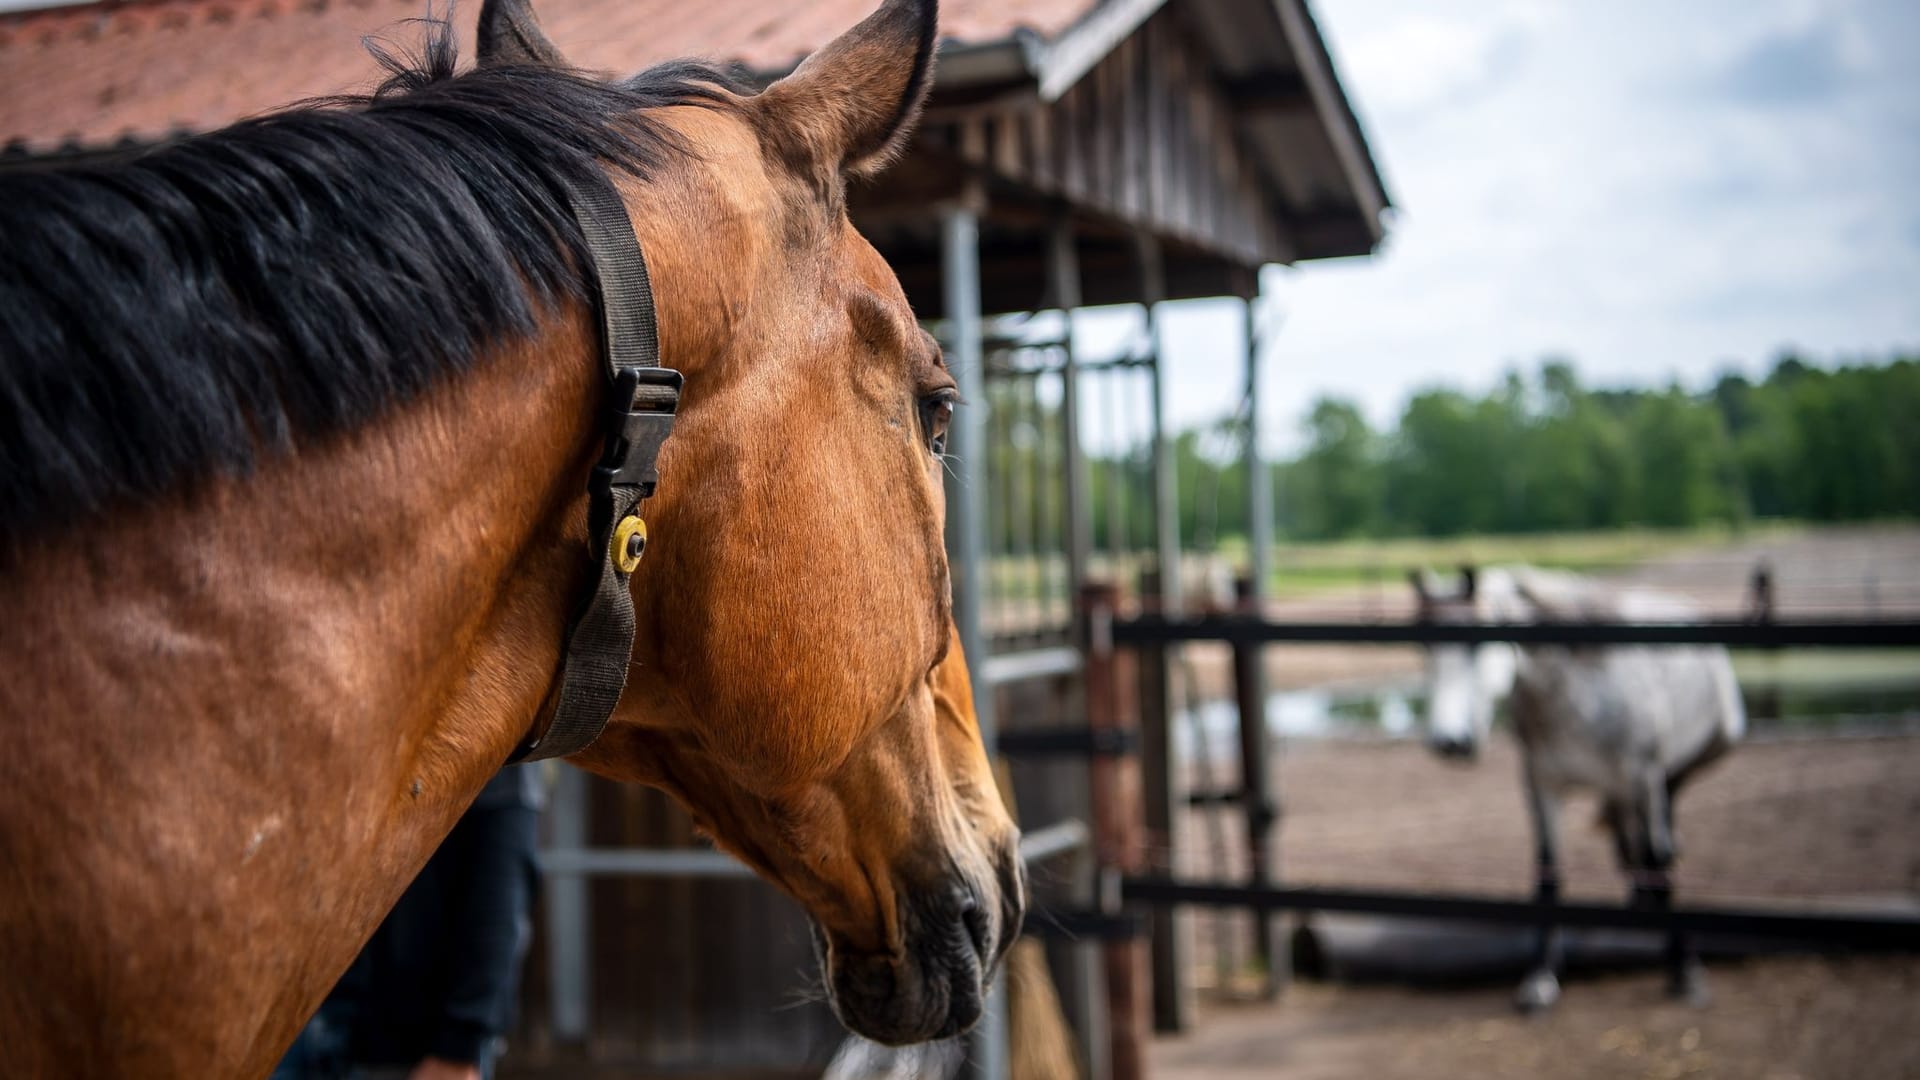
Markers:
180,312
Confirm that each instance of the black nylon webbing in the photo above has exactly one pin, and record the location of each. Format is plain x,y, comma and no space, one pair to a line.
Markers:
600,641
626,296
599,648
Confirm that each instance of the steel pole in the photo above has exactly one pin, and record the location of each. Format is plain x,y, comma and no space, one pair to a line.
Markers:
966,532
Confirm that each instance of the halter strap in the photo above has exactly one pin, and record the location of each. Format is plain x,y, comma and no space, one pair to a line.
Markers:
639,418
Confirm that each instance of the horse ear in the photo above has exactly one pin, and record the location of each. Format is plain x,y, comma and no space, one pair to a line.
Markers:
1417,578
509,33
853,103
1469,581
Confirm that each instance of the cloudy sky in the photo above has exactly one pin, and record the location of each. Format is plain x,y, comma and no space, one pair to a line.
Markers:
1658,190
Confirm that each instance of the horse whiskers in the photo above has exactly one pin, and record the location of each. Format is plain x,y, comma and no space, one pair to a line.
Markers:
811,990
1046,915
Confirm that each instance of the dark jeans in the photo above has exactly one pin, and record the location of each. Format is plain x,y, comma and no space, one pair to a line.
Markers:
320,1053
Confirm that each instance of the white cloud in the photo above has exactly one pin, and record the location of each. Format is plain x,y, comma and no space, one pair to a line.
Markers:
1598,181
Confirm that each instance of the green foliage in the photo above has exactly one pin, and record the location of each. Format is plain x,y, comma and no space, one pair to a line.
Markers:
1535,456
1338,481
1549,455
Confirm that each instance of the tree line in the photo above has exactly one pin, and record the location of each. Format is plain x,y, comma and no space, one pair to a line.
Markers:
1546,453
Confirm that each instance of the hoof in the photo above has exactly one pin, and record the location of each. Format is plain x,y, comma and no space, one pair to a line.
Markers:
1689,985
1537,992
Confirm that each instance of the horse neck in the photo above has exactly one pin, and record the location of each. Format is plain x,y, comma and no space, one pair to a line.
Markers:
273,696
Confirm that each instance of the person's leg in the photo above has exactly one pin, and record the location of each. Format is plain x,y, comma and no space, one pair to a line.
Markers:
318,1053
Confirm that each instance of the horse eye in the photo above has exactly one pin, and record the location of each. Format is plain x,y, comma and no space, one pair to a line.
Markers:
936,413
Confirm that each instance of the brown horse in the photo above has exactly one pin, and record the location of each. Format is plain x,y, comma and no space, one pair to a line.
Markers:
293,449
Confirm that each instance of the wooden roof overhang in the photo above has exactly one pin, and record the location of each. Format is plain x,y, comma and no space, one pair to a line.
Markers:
1216,129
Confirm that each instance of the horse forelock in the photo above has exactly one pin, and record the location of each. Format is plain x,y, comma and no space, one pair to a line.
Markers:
184,310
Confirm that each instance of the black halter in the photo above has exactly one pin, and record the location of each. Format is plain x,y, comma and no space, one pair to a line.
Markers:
638,421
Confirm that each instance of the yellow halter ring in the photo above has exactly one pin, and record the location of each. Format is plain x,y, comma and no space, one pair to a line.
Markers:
629,543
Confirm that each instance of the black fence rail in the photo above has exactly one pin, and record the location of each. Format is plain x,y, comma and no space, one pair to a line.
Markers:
1131,793
1246,629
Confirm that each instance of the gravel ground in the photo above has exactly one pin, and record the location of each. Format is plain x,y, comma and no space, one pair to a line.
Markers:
1793,1018
1827,822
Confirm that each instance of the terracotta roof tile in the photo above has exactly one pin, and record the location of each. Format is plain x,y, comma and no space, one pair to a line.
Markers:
91,76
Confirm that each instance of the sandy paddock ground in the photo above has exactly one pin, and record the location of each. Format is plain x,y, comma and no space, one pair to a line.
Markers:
1798,821
1785,1018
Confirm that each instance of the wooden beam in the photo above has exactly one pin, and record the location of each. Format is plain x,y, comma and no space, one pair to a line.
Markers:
1114,789
1268,91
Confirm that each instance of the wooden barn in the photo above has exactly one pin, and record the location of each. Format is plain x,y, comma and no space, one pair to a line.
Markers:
1074,153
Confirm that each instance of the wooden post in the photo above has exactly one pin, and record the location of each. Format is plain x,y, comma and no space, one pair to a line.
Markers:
1256,797
1114,791
1172,989
1249,673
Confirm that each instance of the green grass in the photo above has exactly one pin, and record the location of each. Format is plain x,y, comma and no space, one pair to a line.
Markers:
1818,669
1307,568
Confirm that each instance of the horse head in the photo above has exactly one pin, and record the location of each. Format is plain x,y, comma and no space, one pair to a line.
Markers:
795,682
1465,683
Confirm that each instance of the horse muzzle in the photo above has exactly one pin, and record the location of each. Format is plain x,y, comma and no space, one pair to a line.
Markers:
955,931
1462,750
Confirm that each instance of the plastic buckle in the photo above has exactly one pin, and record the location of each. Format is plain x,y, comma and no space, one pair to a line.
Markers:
646,401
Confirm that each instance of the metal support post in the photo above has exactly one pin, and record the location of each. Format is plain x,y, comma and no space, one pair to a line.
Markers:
1166,496
1259,484
1063,269
569,930
966,521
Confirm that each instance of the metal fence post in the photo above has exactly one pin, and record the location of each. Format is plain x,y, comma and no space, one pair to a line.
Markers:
1256,799
569,934
966,520
1259,484
1063,268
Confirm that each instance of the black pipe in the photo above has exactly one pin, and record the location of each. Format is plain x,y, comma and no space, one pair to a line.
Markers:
1894,933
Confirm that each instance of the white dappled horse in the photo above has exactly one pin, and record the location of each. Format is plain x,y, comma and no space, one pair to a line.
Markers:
1630,723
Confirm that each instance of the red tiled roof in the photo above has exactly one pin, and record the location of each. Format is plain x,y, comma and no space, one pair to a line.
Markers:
94,75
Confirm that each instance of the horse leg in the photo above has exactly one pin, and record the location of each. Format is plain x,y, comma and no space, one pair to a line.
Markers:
1653,885
1541,988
